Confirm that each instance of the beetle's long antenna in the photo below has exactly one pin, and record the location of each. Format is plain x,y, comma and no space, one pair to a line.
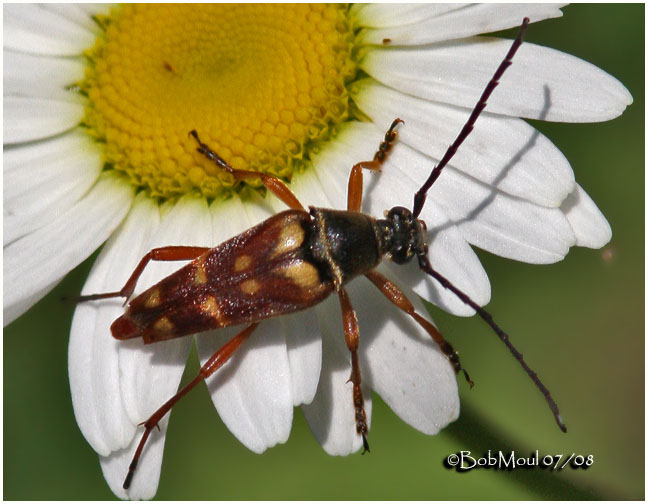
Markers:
419,197
424,264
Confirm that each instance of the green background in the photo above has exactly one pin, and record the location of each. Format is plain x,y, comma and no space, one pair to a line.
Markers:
580,324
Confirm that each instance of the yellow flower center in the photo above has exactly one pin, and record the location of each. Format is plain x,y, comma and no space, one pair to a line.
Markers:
261,84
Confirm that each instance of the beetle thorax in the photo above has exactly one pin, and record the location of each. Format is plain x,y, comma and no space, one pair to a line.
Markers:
345,244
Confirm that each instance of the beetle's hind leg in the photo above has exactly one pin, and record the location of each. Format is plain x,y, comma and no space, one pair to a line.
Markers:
396,296
354,198
272,183
222,355
172,253
351,334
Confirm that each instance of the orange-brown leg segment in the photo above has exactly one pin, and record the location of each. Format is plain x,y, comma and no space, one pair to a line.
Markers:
172,253
352,336
354,194
396,296
222,355
272,183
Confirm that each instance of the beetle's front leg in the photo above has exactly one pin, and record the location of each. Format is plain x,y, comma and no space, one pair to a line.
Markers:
354,193
398,297
272,183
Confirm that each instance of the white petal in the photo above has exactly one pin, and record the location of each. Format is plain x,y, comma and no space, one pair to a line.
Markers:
333,165
308,189
233,216
504,225
27,119
228,219
33,29
402,363
93,353
331,415
30,264
501,151
253,392
26,302
78,14
304,342
150,374
44,180
93,9
458,23
383,15
590,227
257,209
541,83
147,476
324,185
41,76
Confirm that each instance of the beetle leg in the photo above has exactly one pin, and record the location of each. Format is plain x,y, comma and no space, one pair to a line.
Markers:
272,183
354,198
354,192
351,334
396,296
172,253
222,355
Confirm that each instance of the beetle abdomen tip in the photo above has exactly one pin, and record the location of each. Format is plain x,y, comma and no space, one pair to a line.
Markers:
124,328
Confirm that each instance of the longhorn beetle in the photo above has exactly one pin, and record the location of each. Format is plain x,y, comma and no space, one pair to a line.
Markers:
293,261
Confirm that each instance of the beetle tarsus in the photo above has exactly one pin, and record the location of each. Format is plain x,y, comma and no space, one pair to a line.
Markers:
365,444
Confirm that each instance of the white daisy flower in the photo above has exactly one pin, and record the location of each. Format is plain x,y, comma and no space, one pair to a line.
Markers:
97,106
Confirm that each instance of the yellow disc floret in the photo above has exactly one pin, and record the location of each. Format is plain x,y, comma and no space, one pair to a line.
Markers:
261,84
